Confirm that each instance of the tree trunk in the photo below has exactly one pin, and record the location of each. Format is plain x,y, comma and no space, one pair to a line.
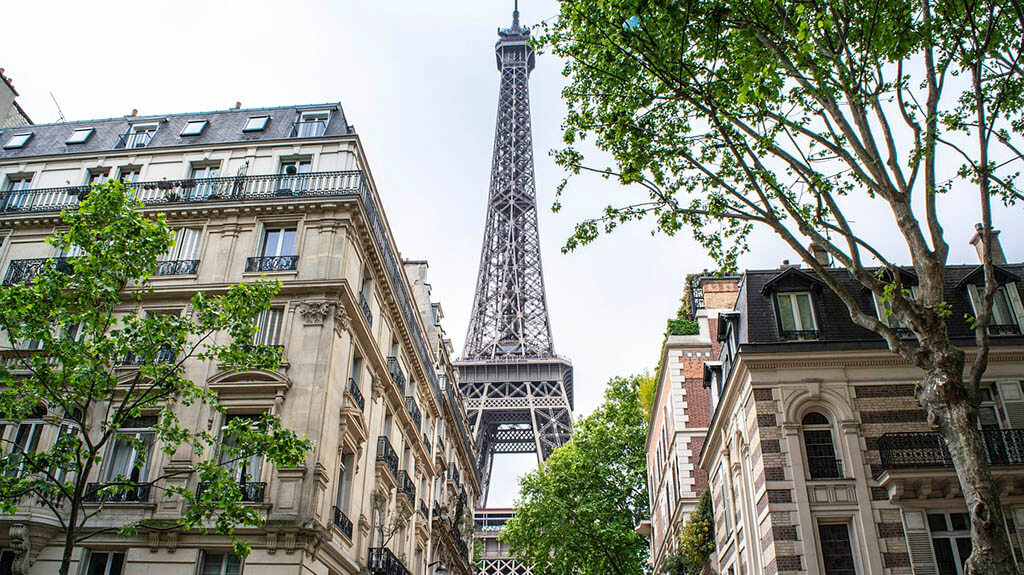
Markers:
954,412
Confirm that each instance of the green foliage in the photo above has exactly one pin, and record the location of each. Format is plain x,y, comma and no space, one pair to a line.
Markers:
645,394
696,540
90,334
578,510
683,327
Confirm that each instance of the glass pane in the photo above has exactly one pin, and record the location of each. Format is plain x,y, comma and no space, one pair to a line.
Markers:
271,241
116,564
786,313
212,563
806,317
1001,308
944,558
97,564
288,243
835,549
234,566
963,546
937,522
959,521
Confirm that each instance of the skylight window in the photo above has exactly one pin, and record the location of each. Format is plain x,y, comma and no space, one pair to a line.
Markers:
256,124
79,136
194,127
18,140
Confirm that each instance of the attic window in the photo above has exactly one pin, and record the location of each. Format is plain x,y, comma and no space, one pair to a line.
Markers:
80,135
796,316
256,124
194,127
18,141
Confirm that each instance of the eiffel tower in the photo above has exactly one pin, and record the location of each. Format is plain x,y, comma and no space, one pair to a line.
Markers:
519,393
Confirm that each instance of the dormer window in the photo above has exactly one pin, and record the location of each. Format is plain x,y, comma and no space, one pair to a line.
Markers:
1007,312
796,315
18,141
139,135
256,124
883,309
311,124
80,136
194,127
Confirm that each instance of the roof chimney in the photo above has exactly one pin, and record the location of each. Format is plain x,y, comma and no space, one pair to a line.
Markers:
786,265
998,257
135,112
820,254
238,105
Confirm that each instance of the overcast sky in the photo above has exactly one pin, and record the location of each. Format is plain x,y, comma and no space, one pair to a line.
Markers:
418,82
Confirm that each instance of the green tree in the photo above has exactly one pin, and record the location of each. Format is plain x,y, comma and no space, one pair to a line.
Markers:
645,394
696,540
83,359
577,511
782,114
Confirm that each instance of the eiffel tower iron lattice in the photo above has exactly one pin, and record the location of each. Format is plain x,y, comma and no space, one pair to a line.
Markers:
519,392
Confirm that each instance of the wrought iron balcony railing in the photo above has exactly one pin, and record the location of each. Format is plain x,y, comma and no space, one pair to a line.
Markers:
381,561
357,396
453,475
252,491
365,307
928,449
105,493
20,271
308,129
457,536
396,373
271,264
825,468
386,455
342,522
426,442
800,334
437,510
134,139
406,487
163,355
1004,329
177,267
414,410
423,509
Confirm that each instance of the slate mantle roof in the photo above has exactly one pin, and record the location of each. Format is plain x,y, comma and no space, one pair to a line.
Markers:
758,325
224,126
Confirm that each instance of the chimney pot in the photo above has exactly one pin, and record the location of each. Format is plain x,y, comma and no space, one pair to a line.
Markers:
238,105
820,254
135,112
998,257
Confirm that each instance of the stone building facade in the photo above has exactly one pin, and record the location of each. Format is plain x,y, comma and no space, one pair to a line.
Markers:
11,114
366,373
820,459
679,418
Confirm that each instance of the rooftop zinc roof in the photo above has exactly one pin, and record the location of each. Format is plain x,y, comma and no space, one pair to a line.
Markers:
224,126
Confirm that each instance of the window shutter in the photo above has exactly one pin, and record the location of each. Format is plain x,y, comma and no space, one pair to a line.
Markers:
188,238
919,541
1013,402
1015,303
975,297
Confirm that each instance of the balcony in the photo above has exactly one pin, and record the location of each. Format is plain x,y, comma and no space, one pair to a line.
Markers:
308,129
381,561
163,355
177,267
928,449
825,468
365,307
134,139
800,334
108,493
355,394
252,491
453,475
1004,329
342,522
23,271
406,487
396,373
386,456
423,509
414,411
426,442
272,264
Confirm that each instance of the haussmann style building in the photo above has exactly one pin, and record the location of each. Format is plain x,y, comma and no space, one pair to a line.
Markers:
366,371
819,457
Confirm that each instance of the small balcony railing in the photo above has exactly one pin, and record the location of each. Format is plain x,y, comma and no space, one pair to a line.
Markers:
308,129
437,510
460,541
386,455
252,491
357,396
104,493
414,410
928,449
342,522
177,267
1003,329
365,307
423,509
381,561
272,264
426,442
163,355
406,487
825,468
134,139
800,334
22,271
453,475
396,373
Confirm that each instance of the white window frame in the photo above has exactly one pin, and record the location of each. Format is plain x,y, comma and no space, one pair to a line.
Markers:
138,432
134,136
255,464
186,245
851,533
204,554
80,136
882,307
798,319
135,171
253,124
312,118
283,229
106,571
96,176
194,128
951,535
18,141
1013,301
269,327
36,426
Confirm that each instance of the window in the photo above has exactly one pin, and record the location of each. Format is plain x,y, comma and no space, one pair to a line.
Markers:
18,141
836,551
311,124
129,174
194,127
1006,308
883,309
278,242
726,496
821,453
67,433
139,135
79,136
951,539
130,455
17,191
256,124
186,245
105,563
796,316
243,469
268,327
26,441
220,564
291,175
345,474
203,173
98,175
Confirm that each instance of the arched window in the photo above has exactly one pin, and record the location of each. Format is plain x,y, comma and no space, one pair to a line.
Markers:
821,452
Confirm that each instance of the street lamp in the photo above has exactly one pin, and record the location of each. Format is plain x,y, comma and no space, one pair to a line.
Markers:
440,569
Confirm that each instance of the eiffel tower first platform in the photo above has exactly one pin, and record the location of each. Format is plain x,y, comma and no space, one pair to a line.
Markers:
518,391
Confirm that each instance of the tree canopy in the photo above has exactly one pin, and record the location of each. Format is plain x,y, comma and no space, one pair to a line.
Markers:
791,116
578,510
85,361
